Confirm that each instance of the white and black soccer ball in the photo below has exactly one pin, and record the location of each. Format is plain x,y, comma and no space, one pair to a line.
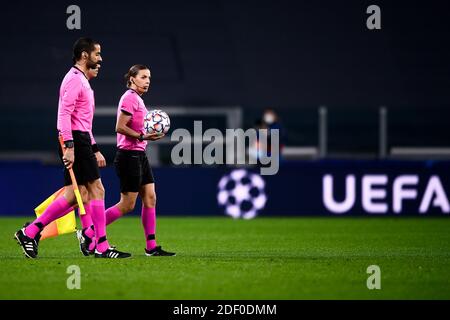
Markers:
156,121
242,194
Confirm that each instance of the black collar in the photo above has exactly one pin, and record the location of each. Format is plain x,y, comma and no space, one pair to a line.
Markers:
135,91
81,72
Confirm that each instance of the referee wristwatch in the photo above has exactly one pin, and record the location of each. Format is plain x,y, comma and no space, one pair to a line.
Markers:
68,144
141,137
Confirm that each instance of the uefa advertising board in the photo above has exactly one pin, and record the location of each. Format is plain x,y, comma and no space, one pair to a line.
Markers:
306,188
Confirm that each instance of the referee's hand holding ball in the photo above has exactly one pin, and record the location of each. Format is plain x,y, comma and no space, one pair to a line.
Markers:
153,136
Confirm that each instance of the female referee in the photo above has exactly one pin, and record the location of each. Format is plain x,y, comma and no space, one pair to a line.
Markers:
131,163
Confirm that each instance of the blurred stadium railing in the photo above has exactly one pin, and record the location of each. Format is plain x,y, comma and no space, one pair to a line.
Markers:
311,133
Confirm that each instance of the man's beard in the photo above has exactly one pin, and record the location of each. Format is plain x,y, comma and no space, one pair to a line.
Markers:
92,65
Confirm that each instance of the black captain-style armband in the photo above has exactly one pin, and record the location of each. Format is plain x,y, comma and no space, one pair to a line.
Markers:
95,148
68,144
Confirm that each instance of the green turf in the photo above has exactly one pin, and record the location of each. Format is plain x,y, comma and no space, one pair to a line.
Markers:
220,258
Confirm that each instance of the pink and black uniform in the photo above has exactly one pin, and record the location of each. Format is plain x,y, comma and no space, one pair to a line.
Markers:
75,116
132,165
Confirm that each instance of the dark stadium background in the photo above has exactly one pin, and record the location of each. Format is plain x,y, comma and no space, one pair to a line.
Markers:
293,56
360,204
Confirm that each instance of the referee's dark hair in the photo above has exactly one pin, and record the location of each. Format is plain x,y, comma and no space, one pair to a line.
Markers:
81,45
134,70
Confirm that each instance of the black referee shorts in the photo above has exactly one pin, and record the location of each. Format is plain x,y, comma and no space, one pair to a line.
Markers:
133,170
85,166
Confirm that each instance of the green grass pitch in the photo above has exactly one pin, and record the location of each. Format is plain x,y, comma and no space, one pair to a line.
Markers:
221,258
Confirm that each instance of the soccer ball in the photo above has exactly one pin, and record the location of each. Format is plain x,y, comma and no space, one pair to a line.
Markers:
156,121
242,194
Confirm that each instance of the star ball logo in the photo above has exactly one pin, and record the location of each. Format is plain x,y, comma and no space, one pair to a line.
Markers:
242,194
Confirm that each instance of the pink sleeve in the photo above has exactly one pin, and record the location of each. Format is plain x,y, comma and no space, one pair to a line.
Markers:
69,95
128,105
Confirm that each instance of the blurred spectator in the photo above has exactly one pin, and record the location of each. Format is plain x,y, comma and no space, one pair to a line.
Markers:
270,120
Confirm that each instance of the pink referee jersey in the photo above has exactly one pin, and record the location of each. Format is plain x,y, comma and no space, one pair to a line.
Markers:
76,105
131,103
